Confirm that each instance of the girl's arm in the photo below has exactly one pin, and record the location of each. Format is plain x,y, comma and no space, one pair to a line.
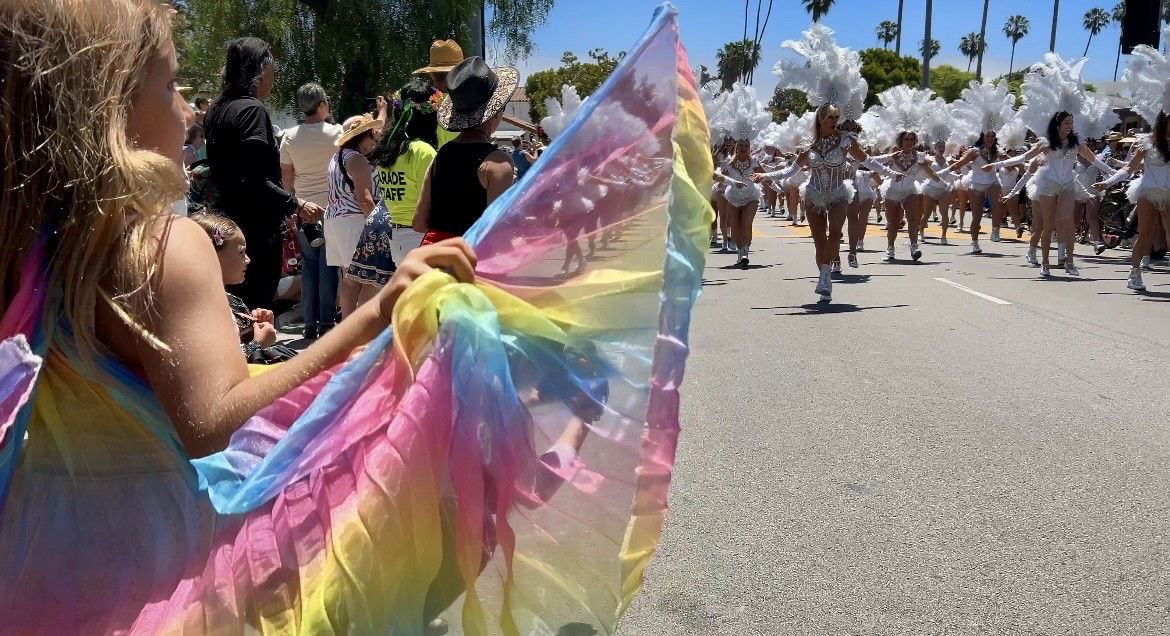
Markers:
1135,164
199,376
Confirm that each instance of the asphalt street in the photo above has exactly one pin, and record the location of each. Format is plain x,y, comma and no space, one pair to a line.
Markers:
915,458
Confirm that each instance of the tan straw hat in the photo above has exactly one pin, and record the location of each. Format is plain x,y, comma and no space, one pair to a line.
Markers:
355,126
476,92
445,54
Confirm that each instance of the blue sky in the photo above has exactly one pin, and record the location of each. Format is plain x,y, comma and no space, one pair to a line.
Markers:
578,25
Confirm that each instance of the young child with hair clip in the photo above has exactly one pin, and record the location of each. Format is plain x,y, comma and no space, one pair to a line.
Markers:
255,326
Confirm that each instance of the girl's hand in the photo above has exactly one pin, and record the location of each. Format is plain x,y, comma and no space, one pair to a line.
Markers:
757,177
263,315
1101,186
453,255
264,334
986,167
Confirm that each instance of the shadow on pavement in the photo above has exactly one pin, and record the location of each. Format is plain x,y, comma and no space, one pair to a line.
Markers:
716,283
815,309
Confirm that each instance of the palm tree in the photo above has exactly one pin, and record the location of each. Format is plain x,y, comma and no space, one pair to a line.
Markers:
969,47
1015,29
935,46
1096,19
1055,16
887,32
983,39
1118,15
817,8
898,43
736,60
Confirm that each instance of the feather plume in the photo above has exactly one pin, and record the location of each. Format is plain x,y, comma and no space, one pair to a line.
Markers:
981,107
562,112
1050,87
829,73
1148,76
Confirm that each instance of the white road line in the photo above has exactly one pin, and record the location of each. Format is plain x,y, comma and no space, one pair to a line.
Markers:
998,301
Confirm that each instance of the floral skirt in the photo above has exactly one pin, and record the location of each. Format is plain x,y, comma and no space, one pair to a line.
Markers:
373,261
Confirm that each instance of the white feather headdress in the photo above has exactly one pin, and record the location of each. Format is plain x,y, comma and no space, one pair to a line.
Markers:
742,116
712,102
873,134
981,107
1050,87
562,112
902,109
795,133
829,73
937,122
768,136
1148,76
1096,117
1012,135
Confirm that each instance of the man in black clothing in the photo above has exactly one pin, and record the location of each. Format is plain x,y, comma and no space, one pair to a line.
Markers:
245,166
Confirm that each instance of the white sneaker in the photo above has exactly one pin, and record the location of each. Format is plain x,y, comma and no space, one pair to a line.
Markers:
1044,272
827,294
975,249
1135,280
915,253
1031,258
1071,270
889,254
861,245
836,267
1146,264
853,261
823,281
994,235
943,241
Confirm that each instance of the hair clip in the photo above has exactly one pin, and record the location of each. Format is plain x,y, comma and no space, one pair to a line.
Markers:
217,237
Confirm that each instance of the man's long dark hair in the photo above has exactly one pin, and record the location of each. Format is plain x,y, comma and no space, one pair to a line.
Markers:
1159,136
246,58
421,126
993,151
1054,132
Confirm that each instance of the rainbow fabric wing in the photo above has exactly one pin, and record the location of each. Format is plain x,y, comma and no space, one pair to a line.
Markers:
508,448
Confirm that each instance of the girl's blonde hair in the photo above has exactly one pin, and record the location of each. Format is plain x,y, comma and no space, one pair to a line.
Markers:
219,228
68,170
822,112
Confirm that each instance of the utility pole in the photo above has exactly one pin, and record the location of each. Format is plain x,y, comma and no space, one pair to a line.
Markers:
926,48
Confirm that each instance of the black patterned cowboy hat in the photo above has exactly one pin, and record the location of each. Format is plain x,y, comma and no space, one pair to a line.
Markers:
476,92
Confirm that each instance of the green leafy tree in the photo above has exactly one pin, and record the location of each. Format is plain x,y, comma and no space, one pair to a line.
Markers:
817,8
1015,29
736,60
356,49
787,101
586,77
948,82
887,32
884,69
1096,19
971,45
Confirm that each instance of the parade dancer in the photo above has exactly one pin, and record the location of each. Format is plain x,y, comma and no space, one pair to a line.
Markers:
1148,76
828,76
743,117
937,195
902,110
981,110
1053,92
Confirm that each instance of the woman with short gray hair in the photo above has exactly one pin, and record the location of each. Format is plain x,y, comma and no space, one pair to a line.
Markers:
245,166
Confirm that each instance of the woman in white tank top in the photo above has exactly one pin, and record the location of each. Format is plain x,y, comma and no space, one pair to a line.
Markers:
982,183
1053,185
1150,193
